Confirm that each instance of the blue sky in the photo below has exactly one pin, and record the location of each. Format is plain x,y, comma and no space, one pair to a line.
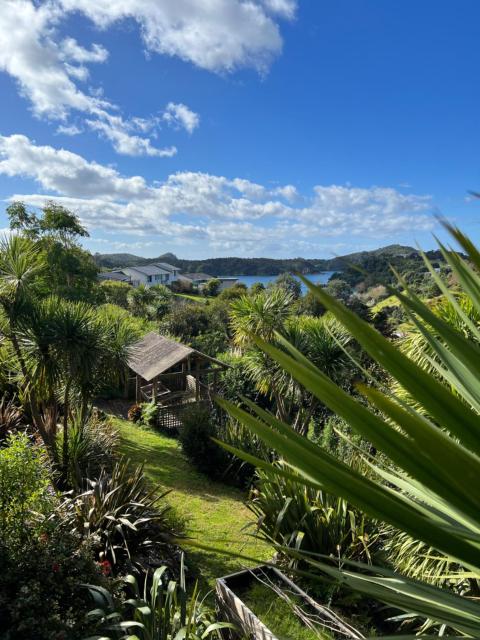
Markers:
234,127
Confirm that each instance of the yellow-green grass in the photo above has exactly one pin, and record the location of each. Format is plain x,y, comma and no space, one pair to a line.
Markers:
391,301
215,513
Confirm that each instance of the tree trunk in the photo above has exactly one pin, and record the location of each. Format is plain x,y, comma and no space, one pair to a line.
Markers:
66,453
31,397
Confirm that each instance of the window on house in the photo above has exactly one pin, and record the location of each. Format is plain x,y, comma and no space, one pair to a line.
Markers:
149,278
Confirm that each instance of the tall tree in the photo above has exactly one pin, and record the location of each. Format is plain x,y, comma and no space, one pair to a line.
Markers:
72,270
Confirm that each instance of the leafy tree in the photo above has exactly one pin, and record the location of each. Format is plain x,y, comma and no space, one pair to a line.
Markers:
288,283
72,272
339,289
211,287
308,305
203,326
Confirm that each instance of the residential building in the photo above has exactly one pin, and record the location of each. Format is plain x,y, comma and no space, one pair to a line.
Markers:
148,275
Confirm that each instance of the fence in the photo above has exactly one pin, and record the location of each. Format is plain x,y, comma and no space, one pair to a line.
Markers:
170,417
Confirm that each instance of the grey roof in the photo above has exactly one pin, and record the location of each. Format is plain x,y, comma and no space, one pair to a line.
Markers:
119,276
149,270
165,265
154,354
197,276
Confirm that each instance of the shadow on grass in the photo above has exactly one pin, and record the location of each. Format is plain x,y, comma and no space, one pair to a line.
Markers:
166,464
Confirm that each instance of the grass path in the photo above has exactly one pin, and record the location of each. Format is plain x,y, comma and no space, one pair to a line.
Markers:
216,514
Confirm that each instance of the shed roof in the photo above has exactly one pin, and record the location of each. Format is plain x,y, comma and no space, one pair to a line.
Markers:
197,276
114,275
154,354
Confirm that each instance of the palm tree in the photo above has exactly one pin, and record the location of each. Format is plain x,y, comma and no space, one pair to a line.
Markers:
22,268
63,349
268,316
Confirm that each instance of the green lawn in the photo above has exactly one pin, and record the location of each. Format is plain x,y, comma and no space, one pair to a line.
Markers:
216,514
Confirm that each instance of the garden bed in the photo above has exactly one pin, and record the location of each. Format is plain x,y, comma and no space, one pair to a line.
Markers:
264,604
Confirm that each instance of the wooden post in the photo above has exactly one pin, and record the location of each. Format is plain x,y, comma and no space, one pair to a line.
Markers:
137,388
184,376
197,380
154,389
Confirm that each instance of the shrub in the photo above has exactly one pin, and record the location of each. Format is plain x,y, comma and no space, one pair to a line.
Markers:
149,414
25,491
124,517
293,514
40,592
115,292
42,562
164,612
135,413
92,447
232,293
196,436
211,287
11,417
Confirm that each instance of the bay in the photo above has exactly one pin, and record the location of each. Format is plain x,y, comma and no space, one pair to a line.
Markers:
318,278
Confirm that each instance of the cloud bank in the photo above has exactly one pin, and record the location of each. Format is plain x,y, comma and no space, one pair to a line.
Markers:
227,215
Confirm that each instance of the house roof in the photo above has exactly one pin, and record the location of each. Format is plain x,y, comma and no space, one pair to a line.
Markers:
197,276
149,270
166,266
114,275
154,354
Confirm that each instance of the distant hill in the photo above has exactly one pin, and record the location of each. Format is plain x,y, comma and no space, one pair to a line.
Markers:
253,266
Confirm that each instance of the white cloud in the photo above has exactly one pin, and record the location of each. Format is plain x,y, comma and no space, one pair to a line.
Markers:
179,115
218,213
69,130
115,129
219,36
71,50
285,8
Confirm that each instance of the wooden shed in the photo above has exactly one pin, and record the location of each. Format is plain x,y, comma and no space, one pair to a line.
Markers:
172,374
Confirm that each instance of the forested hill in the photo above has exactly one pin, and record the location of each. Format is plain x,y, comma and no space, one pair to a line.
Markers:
254,266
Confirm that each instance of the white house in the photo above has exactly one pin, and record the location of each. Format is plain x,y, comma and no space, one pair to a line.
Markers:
174,271
148,275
